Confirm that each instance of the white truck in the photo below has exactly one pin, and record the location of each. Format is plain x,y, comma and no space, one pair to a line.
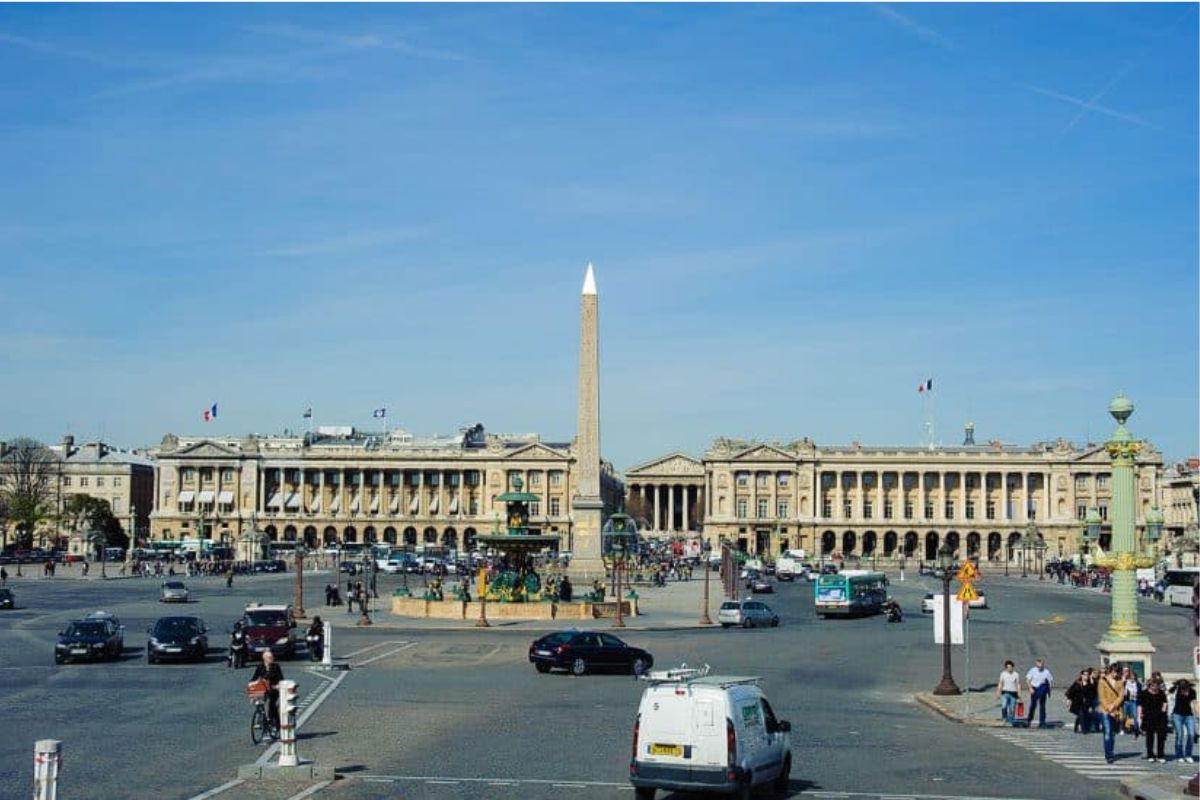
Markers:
711,733
790,565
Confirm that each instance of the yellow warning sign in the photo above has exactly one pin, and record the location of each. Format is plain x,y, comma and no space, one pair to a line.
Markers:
967,572
967,593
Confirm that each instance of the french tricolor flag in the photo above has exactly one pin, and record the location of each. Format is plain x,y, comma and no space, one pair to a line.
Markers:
210,413
927,386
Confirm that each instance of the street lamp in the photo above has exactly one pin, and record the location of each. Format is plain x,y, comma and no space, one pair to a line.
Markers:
1039,547
300,581
947,686
705,619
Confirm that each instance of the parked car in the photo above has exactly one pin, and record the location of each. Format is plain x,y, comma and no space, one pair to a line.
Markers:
927,603
270,628
7,600
173,592
587,651
750,576
747,613
680,743
978,602
761,585
350,567
177,638
89,640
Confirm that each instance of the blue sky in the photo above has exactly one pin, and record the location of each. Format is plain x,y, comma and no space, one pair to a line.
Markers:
796,213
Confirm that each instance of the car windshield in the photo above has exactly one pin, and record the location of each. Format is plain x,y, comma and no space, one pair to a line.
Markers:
173,585
88,629
557,638
174,626
268,619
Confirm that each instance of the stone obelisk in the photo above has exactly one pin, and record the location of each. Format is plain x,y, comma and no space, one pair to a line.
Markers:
587,505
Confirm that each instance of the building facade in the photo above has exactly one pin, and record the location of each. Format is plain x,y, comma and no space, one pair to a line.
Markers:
123,479
344,486
860,501
1181,510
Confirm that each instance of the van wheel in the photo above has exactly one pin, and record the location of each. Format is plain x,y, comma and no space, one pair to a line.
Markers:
541,666
746,790
724,624
781,783
578,666
775,622
644,793
747,623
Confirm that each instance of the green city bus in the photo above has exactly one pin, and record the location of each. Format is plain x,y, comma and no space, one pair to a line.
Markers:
852,592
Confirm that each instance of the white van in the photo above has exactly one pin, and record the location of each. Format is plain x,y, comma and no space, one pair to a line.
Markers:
702,732
789,565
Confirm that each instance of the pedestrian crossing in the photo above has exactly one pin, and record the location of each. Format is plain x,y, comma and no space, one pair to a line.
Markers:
1080,754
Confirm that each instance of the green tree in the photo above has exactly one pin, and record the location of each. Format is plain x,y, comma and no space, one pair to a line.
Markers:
28,481
86,513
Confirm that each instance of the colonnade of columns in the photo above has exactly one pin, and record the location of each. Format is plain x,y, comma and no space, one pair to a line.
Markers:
671,507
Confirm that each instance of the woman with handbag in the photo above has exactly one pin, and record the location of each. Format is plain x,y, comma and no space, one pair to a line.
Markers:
1183,719
1079,702
1152,702
1112,697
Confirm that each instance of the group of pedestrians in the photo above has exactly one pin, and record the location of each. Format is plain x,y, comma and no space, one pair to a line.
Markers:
1111,700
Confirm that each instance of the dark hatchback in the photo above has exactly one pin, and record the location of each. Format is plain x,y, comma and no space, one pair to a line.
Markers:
579,652
89,640
183,638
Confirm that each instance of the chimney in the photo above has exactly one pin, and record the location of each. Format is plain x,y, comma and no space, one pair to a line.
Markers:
68,445
969,435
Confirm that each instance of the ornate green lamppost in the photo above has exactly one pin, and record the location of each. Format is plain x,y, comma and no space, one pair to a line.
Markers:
1124,641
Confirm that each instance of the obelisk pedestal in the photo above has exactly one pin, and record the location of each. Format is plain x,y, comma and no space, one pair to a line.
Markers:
587,506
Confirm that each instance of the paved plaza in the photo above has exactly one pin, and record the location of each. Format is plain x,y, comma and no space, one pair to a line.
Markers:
443,710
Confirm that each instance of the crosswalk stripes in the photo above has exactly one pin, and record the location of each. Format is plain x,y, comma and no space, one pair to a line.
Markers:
1083,755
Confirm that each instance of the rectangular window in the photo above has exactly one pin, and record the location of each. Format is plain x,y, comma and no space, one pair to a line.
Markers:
908,509
555,507
743,479
783,480
741,508
66,480
472,478
454,479
1081,482
83,482
1104,510
433,479
991,509
556,477
762,508
868,509
781,509
206,473
535,509
187,474
1102,481
535,479
115,505
847,509
1080,511
948,507
827,508
414,479
474,506
761,479
928,509
970,509
394,479
99,481
186,508
888,509
1031,509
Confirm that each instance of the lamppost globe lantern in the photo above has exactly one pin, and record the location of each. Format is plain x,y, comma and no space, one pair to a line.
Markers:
1154,524
945,557
1092,524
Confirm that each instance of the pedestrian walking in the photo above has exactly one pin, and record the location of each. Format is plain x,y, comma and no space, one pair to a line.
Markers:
1039,681
1079,701
3,577
1008,685
1129,708
1112,697
1183,719
1152,704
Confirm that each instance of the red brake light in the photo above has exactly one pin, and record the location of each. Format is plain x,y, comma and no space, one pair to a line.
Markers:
637,724
562,648
730,741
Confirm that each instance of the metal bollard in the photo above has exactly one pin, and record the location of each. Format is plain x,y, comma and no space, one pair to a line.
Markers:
47,762
327,656
287,725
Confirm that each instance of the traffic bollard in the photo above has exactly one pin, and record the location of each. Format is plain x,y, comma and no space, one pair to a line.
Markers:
47,762
287,725
327,656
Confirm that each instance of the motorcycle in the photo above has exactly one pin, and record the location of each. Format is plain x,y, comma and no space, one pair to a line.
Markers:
316,646
237,650
894,614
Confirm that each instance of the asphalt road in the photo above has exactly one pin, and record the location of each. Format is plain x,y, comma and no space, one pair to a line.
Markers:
461,714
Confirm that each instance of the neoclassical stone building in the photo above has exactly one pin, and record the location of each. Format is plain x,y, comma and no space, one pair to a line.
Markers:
347,486
886,502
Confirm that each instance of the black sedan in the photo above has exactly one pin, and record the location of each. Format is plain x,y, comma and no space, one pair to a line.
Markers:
585,651
177,638
88,640
760,585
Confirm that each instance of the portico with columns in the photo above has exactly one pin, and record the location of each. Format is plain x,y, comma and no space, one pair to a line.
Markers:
666,496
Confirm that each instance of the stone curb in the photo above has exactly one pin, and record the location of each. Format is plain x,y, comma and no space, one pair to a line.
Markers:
517,627
1158,787
935,704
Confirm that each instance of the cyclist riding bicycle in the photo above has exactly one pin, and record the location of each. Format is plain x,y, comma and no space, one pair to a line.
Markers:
269,671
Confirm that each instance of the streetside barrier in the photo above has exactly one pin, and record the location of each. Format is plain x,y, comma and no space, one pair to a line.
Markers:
287,725
327,656
47,763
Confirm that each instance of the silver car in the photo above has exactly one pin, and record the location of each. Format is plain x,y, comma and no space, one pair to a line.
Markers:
173,592
747,613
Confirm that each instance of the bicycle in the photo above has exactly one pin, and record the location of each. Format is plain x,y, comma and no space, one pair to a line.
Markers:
261,725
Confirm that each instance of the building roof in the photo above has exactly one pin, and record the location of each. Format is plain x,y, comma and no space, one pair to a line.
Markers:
98,453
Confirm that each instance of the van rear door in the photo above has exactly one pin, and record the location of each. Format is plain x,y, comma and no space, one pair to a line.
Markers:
664,734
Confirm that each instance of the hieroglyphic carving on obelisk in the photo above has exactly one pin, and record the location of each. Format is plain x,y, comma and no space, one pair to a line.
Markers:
587,505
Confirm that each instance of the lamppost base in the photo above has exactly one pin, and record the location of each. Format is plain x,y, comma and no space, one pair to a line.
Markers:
364,620
482,623
1136,653
706,619
618,623
947,687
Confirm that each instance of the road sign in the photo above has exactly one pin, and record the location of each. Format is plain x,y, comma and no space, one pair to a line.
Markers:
967,593
967,572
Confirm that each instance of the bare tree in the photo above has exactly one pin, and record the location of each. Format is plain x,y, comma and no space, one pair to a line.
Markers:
28,482
696,512
637,507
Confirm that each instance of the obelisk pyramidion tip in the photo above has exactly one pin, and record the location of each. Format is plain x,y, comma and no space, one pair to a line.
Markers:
589,281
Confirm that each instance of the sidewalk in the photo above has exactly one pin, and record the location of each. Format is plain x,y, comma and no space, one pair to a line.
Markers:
983,706
675,606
